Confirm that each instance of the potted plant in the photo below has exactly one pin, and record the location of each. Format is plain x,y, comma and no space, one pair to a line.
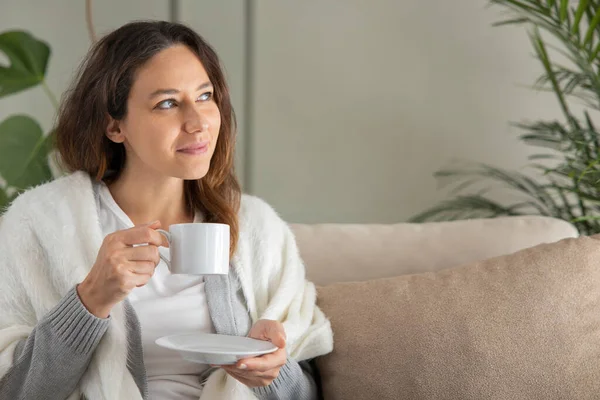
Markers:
24,147
566,183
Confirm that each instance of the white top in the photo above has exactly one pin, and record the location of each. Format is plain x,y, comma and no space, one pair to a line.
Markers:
167,304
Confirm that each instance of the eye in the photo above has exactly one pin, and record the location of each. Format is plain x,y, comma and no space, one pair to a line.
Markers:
166,104
205,96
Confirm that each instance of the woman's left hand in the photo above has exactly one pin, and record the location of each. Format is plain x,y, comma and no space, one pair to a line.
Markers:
262,370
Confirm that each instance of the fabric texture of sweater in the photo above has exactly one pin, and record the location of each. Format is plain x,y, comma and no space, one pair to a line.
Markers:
49,239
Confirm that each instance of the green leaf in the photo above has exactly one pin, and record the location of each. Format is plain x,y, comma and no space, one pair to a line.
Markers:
586,218
23,153
540,49
3,200
595,140
461,207
592,27
520,5
578,15
516,181
568,187
594,53
48,144
564,4
543,157
514,21
28,59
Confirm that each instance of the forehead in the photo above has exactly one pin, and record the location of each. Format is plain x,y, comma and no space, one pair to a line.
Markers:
176,67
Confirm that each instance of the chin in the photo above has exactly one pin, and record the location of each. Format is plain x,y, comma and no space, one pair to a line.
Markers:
189,169
193,175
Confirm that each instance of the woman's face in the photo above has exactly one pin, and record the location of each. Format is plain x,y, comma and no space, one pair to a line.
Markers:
172,122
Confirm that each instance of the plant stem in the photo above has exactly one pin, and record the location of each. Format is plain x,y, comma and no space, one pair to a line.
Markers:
50,95
90,21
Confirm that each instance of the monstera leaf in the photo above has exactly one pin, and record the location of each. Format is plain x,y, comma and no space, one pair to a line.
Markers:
23,152
3,200
27,57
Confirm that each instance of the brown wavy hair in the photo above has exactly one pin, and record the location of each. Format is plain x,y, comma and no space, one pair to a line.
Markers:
101,89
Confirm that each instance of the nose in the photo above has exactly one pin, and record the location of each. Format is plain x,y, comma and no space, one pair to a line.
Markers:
195,122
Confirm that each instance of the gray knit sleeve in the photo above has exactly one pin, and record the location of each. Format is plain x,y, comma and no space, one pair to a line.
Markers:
50,362
296,381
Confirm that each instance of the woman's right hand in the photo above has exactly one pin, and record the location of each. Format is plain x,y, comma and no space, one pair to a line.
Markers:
120,267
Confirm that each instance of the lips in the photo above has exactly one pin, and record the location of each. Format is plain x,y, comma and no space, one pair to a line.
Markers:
194,148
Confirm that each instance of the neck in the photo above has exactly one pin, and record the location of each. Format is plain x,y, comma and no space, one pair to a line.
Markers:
144,197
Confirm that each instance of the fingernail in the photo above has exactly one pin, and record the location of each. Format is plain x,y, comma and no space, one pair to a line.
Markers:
242,366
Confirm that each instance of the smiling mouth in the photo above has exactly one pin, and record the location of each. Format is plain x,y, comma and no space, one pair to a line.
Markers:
195,150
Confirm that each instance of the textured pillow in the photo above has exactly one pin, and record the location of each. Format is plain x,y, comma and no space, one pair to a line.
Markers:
521,326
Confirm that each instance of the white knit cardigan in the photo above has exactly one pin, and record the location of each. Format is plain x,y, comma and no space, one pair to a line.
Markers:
49,239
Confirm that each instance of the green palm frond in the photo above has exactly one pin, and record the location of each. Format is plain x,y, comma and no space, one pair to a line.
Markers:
566,183
465,207
529,189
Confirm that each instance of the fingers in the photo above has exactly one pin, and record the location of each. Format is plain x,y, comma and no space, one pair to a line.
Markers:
270,330
275,333
139,280
262,370
142,234
277,338
270,374
252,378
233,370
163,239
133,280
143,267
142,253
264,363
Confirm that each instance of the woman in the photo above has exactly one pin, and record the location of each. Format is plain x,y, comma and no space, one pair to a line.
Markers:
148,132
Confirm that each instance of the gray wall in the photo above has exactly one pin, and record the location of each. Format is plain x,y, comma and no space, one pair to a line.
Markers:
358,103
346,108
61,23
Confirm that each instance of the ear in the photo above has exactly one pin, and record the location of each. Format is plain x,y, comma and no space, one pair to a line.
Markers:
113,131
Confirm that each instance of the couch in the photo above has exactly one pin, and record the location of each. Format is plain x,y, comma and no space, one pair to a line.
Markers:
499,308
417,314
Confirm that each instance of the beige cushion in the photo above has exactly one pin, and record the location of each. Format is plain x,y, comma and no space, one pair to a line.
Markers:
522,326
346,252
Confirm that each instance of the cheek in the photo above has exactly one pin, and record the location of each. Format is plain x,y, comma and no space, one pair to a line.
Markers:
149,136
215,120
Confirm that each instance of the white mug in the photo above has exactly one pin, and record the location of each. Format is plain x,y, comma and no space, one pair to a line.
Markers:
198,248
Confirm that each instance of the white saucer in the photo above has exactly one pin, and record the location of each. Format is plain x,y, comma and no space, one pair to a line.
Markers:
210,348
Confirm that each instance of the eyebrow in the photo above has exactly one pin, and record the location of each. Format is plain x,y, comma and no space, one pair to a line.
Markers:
175,91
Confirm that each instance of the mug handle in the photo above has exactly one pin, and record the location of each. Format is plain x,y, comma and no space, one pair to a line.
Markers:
168,236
